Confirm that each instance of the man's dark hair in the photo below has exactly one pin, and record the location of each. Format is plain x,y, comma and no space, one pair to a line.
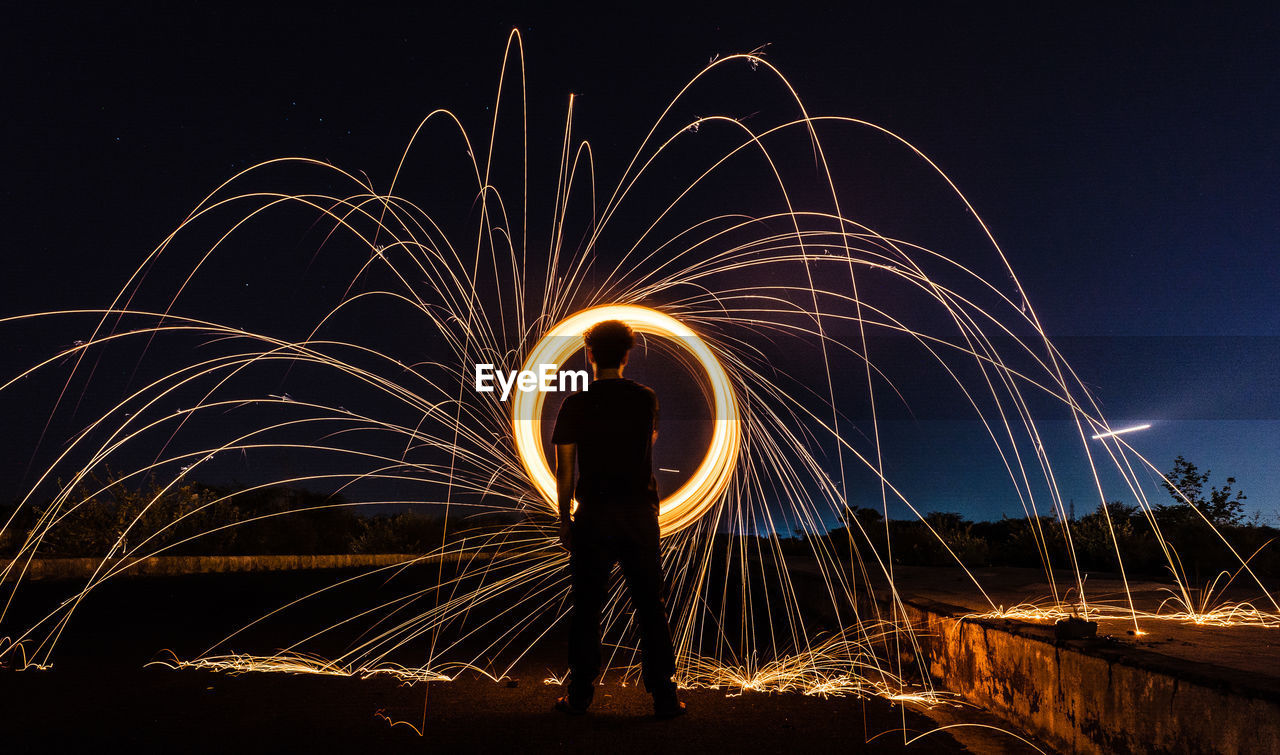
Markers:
609,341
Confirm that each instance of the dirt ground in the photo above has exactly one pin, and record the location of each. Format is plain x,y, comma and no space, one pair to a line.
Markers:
100,694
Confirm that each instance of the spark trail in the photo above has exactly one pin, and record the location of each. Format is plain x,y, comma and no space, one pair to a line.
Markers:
379,413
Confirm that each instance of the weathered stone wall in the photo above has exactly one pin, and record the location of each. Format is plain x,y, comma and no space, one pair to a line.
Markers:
1096,696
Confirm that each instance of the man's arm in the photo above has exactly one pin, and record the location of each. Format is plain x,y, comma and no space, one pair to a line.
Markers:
566,457
654,439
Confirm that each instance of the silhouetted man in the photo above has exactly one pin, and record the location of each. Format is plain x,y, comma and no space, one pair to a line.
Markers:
609,431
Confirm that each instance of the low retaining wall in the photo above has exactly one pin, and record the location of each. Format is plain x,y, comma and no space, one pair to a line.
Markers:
83,568
1096,695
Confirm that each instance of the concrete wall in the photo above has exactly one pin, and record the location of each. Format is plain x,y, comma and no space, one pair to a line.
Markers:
82,568
1096,696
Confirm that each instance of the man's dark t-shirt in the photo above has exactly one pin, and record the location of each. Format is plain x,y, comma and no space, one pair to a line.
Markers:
612,423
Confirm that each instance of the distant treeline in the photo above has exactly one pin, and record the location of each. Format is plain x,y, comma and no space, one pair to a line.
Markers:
1192,545
193,519
1199,526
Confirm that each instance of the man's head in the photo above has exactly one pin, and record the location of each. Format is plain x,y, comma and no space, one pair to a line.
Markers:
608,342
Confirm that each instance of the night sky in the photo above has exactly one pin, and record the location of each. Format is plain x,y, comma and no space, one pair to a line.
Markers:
1127,161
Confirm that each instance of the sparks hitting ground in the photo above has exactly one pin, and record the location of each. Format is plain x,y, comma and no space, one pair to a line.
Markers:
728,290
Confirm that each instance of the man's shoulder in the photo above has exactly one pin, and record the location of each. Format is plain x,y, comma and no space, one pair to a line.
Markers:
640,389
573,400
643,387
612,392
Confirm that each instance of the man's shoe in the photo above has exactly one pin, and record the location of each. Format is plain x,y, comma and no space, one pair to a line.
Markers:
667,706
573,707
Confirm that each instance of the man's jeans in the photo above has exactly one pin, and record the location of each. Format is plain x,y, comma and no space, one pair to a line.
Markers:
595,546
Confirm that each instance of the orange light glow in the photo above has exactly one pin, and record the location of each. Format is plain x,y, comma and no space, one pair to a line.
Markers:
693,499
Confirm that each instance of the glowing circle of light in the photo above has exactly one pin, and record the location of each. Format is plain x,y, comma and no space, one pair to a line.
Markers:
700,492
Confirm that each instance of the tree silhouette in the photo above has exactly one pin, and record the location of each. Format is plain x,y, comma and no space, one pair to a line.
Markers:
1186,484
